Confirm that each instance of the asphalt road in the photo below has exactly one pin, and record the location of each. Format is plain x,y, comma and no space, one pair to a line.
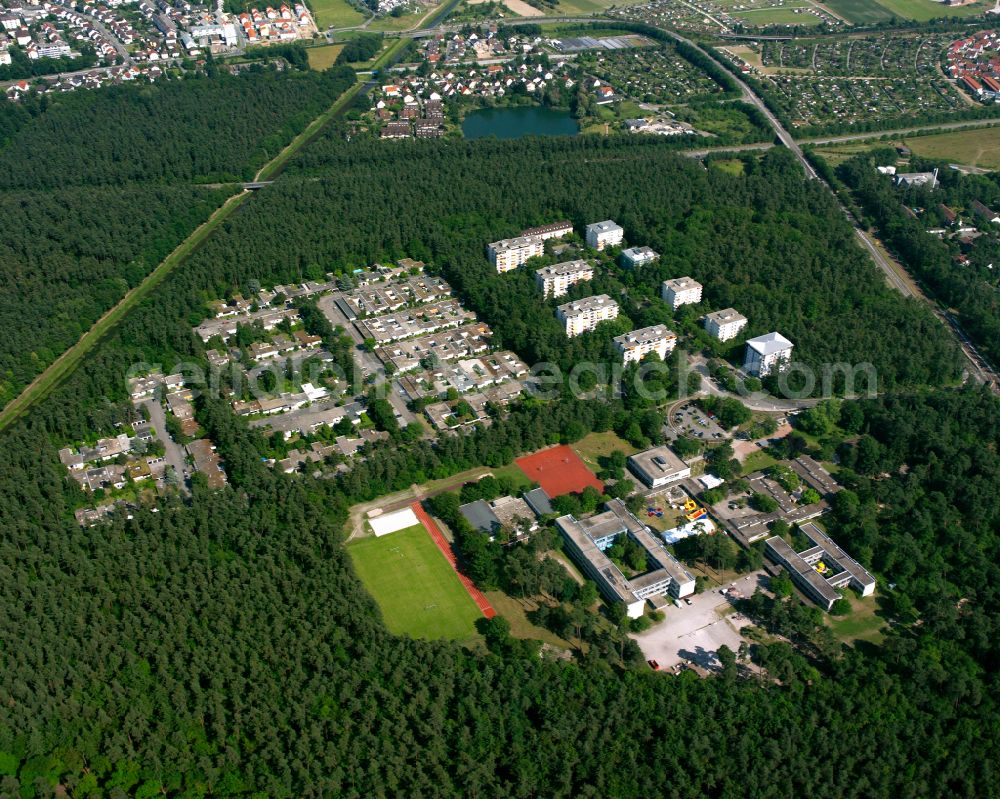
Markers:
174,453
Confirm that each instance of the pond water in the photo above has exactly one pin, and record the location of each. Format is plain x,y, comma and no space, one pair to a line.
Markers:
513,123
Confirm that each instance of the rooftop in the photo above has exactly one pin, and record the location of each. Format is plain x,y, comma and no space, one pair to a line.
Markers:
679,284
644,335
769,343
564,268
586,304
725,316
606,226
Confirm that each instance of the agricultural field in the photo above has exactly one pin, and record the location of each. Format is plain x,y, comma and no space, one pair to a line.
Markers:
336,14
658,75
321,58
415,587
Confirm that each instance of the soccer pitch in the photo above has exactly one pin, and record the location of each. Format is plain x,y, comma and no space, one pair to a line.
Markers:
419,593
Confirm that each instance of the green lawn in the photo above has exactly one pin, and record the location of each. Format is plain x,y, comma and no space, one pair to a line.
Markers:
860,12
321,58
979,147
336,13
861,624
417,590
923,10
777,16
598,445
756,461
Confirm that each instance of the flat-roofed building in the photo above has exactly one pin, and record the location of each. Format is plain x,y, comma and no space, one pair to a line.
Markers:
555,280
822,568
508,254
587,540
583,315
658,467
553,230
637,256
680,291
767,354
639,343
725,324
604,234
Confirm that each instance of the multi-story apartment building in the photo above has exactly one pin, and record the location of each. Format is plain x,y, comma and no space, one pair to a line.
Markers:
681,291
604,234
508,254
638,344
638,256
580,316
767,354
725,324
555,280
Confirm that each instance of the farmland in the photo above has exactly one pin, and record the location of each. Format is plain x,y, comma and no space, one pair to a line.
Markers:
860,12
417,590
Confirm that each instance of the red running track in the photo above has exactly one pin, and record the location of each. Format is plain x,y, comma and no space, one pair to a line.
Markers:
477,596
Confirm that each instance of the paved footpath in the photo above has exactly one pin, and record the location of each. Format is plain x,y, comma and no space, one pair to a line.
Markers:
438,537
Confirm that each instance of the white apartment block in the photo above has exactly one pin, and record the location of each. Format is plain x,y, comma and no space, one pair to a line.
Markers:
638,256
583,315
555,280
508,254
725,324
767,354
639,343
604,234
681,291
554,230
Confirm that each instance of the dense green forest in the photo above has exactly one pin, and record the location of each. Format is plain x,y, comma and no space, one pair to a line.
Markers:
115,191
67,257
201,130
970,289
224,646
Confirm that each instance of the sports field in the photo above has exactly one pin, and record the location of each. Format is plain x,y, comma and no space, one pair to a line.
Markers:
336,14
558,470
417,590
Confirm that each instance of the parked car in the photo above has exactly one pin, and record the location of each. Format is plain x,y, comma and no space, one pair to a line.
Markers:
653,665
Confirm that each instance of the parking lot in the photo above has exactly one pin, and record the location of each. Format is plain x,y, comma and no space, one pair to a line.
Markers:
693,633
692,421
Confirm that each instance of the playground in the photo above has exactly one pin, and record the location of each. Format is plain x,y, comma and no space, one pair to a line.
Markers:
558,470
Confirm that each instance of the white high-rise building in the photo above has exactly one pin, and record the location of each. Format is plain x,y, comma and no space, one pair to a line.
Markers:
508,254
604,234
767,354
725,324
681,291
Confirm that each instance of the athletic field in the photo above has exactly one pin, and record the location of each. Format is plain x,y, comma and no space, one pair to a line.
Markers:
419,593
558,470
